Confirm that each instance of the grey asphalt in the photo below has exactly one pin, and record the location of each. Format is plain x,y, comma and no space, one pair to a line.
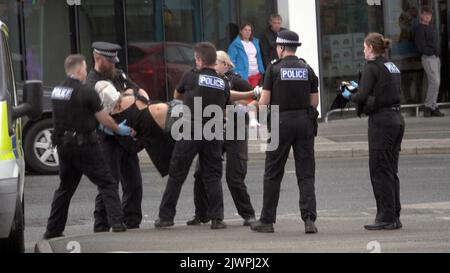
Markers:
426,217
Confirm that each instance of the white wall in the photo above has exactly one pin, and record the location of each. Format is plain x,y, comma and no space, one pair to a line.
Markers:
301,17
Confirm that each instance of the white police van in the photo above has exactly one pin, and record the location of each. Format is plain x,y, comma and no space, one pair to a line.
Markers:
12,165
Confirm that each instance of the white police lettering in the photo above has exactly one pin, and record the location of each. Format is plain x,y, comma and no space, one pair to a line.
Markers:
62,93
392,68
294,74
211,82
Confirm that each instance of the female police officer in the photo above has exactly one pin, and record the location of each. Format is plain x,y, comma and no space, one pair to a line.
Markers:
379,98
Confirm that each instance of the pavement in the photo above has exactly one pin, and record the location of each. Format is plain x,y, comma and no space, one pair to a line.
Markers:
426,225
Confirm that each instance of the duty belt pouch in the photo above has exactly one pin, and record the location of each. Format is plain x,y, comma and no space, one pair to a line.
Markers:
169,119
313,114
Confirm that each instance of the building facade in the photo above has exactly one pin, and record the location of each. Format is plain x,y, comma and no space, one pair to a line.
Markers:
158,36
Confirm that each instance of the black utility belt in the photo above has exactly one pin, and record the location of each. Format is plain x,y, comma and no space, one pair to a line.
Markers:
388,109
78,139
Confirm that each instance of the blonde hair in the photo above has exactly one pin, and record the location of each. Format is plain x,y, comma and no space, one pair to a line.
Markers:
222,56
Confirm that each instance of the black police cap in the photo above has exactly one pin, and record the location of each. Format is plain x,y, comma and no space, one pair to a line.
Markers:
288,38
108,50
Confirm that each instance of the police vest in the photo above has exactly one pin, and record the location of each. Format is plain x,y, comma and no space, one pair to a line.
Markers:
211,88
74,107
387,91
292,84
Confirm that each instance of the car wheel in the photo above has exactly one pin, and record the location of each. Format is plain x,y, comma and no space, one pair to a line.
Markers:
15,243
40,156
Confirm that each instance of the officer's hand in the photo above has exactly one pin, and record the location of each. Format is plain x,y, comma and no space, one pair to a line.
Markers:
105,130
347,94
124,130
257,93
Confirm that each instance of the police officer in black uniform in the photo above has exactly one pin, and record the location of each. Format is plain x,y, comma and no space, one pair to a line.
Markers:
76,111
291,84
236,150
379,97
122,155
201,83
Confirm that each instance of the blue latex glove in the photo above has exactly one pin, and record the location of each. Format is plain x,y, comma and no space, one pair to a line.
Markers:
124,130
105,130
354,84
347,94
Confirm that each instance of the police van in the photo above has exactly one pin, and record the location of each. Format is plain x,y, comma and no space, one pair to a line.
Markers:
12,166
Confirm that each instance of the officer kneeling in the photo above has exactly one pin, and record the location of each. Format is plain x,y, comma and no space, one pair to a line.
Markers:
76,110
292,85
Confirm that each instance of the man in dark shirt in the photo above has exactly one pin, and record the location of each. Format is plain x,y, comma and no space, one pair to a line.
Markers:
76,111
291,85
203,84
427,43
122,157
268,40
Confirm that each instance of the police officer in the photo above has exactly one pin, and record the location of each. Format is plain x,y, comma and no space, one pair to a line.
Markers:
122,156
379,97
206,84
76,110
236,150
291,84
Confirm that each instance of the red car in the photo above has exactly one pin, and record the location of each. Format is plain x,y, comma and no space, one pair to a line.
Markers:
158,67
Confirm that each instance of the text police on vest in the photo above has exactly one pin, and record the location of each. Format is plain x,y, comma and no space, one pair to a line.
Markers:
294,74
211,82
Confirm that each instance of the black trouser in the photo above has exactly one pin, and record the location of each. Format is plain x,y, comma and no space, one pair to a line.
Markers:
236,171
125,168
386,132
210,158
74,161
296,131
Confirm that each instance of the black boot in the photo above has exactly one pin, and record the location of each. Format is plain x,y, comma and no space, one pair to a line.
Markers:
197,221
310,227
120,227
262,227
218,224
249,221
437,113
382,226
160,223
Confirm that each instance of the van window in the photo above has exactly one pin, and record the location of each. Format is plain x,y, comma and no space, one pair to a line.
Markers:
6,72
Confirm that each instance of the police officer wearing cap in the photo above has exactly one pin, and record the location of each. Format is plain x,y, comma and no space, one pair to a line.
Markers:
379,97
76,111
122,155
206,84
291,84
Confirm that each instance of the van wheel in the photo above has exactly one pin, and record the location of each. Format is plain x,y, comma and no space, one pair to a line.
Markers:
15,243
39,154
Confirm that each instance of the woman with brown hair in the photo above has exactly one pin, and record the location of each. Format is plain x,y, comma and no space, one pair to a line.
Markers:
245,53
379,97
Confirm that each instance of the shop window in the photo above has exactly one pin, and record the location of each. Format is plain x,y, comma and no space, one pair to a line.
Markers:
344,25
47,40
